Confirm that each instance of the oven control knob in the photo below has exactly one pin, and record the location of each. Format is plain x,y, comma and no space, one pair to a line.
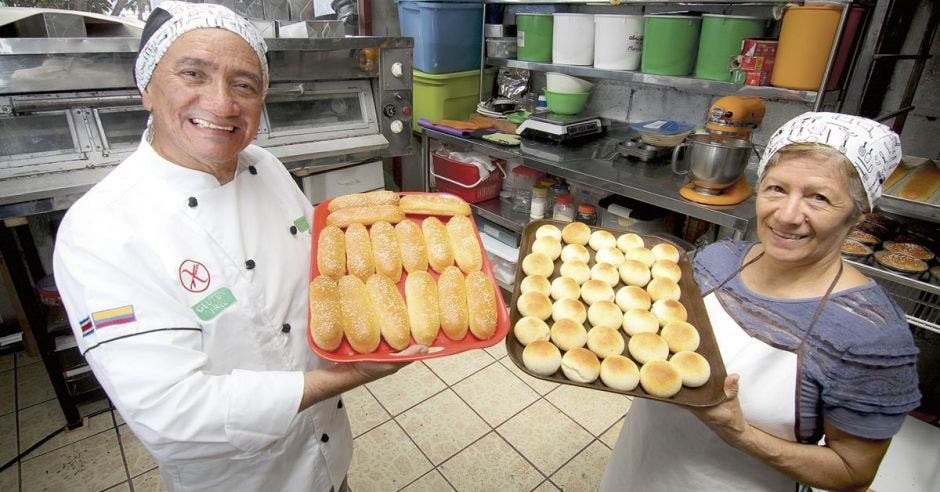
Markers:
397,126
397,69
389,110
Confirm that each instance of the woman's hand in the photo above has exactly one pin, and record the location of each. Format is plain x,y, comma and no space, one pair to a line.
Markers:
726,418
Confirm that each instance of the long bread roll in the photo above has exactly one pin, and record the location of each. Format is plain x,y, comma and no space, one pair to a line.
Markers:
414,253
385,250
390,310
481,301
922,184
366,215
464,244
452,292
435,238
331,252
325,312
369,199
360,323
434,205
422,298
359,252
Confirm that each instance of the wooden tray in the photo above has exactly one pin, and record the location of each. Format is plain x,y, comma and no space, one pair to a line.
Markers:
711,393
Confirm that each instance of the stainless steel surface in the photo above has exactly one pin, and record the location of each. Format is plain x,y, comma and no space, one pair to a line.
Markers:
832,57
909,208
501,212
714,164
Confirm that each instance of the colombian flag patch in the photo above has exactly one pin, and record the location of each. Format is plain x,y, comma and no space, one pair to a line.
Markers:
115,316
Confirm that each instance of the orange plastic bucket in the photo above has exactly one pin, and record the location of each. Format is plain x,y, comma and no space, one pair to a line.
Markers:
806,39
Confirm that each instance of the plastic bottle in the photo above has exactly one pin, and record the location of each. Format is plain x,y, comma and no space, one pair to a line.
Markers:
539,198
563,209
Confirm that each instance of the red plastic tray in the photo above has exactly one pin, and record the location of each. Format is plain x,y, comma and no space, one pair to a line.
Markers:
442,345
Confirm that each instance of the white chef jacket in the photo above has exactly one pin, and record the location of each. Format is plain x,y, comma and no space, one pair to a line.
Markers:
188,299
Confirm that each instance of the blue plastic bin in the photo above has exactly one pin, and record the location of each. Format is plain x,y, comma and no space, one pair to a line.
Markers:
448,35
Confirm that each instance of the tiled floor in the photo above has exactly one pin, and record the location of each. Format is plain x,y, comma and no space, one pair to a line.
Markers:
471,421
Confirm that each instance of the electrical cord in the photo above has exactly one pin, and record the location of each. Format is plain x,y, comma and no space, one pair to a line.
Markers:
42,441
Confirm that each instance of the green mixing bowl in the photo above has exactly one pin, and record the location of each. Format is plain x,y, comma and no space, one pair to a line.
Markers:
566,102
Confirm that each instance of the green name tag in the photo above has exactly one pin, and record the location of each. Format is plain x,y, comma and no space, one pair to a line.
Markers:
215,303
302,224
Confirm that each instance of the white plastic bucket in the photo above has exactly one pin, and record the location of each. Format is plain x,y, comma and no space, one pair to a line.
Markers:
573,39
618,41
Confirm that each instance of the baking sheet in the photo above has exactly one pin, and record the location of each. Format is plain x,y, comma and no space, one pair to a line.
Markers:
442,345
711,393
891,201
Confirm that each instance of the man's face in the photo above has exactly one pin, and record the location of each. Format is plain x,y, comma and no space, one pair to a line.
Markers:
206,96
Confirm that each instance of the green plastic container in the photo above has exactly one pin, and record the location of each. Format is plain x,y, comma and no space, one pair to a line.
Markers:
670,43
721,40
534,37
566,102
448,96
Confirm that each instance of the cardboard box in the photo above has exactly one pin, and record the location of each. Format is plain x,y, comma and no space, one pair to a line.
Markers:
759,47
747,77
752,63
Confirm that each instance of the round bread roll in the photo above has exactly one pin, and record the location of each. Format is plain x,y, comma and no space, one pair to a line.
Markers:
642,255
565,288
629,240
669,310
666,269
596,290
646,347
605,272
609,255
548,246
601,239
665,251
541,357
538,264
580,365
605,313
620,373
680,336
573,252
659,378
632,297
568,334
576,233
530,329
634,273
534,304
663,288
640,321
535,283
576,269
548,230
605,341
569,309
692,367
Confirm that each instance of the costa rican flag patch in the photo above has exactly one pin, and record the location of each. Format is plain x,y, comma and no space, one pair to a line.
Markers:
114,316
86,326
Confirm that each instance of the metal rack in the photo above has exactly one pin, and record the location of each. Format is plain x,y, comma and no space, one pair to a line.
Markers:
916,296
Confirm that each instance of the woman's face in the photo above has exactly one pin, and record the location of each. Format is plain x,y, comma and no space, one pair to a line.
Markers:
803,210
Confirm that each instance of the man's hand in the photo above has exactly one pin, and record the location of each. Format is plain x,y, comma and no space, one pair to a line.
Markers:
375,370
726,419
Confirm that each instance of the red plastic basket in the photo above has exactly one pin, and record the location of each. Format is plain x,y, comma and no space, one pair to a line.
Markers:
464,180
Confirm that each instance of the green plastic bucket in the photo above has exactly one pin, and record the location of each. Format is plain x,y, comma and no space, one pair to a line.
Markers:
534,37
669,44
721,40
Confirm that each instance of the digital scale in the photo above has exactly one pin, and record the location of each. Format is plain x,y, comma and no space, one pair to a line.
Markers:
561,128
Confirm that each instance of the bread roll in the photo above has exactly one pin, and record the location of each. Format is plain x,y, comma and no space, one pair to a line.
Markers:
548,246
642,255
437,240
640,321
576,233
481,300
542,358
365,215
390,311
530,329
380,197
452,296
464,244
569,309
359,252
693,368
359,320
680,336
601,239
535,283
567,334
574,252
423,301
663,288
578,270
605,313
580,365
385,250
605,272
414,253
534,304
634,273
331,252
565,288
595,290
609,255
659,378
548,230
665,251
426,204
326,328
605,341
620,373
646,347
631,297
669,310
629,240
666,269
538,264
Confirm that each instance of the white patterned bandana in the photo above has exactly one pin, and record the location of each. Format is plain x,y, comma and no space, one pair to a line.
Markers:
871,147
172,19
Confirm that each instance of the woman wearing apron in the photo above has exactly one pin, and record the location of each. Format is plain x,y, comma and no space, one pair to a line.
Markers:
821,362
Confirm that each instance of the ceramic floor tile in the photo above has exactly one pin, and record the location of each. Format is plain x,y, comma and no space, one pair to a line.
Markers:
442,425
138,458
411,385
541,386
596,410
547,486
149,482
455,367
385,459
545,435
8,448
7,392
90,464
490,464
430,482
363,409
24,360
122,487
7,362
585,471
9,479
117,418
32,385
40,420
495,393
498,351
609,437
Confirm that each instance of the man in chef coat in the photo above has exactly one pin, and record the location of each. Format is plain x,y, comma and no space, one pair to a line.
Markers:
184,274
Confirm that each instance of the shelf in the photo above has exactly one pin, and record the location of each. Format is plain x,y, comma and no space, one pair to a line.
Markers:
874,271
647,2
501,213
